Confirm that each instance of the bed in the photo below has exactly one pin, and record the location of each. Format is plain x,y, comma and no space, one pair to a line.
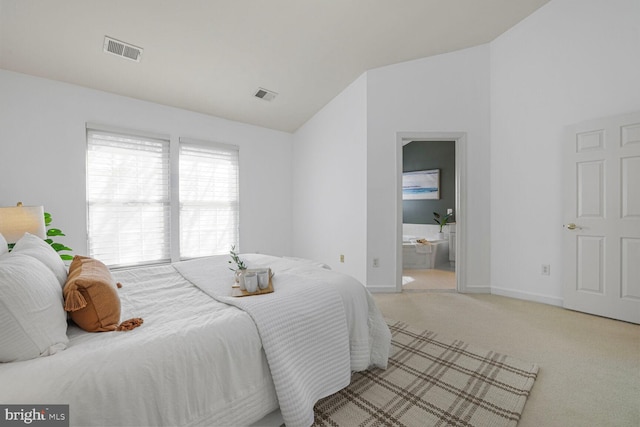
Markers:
203,358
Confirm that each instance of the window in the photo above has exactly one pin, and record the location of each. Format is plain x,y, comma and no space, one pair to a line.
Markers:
128,198
130,203
208,198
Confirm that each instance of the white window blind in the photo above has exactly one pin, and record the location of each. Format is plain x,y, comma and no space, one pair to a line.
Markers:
209,208
128,198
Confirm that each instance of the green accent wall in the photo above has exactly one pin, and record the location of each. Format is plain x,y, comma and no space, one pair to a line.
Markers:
424,155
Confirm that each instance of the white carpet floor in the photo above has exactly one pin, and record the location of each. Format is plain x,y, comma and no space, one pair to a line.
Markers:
589,366
428,279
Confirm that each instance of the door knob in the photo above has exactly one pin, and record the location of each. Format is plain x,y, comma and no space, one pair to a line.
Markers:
571,226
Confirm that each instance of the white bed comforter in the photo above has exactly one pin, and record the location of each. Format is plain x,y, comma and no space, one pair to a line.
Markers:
197,361
316,328
194,362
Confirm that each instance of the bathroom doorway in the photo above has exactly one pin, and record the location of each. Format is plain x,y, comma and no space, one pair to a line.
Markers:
431,167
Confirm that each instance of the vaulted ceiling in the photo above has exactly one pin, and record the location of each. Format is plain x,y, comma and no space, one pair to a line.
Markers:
210,56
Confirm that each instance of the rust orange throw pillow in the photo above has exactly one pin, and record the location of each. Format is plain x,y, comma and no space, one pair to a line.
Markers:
91,296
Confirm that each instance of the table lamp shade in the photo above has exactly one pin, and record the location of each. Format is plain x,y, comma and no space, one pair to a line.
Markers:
15,221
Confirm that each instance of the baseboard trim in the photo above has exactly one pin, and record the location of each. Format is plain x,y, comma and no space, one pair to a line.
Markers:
528,296
382,289
476,290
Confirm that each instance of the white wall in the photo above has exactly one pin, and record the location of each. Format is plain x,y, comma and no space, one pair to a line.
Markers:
43,145
571,61
329,183
444,93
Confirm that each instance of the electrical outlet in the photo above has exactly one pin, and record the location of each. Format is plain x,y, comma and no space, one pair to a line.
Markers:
376,262
545,270
341,258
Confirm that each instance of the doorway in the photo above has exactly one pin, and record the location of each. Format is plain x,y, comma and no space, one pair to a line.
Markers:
428,216
442,273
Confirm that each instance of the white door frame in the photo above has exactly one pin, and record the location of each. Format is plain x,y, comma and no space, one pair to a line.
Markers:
460,139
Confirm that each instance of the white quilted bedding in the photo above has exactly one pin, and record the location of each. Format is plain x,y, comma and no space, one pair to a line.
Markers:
194,362
316,328
197,361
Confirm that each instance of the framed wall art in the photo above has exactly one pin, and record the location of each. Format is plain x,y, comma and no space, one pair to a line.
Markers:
421,185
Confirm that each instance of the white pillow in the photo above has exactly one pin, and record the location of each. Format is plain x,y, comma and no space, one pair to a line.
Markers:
39,249
32,316
4,247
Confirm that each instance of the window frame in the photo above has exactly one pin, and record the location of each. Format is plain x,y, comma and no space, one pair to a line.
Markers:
174,146
182,141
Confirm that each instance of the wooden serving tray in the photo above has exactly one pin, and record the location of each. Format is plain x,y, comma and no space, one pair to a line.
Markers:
237,292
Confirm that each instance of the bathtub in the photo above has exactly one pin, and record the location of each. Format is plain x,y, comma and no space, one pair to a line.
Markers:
417,256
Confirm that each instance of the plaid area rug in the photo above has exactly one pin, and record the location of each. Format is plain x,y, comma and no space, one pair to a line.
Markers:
431,381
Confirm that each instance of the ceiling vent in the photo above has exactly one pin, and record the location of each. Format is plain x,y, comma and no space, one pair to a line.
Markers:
265,94
122,49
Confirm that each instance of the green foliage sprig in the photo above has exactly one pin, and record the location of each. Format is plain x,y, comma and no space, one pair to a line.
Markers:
54,232
235,258
441,220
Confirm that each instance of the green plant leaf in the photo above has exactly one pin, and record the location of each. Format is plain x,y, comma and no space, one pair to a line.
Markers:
60,247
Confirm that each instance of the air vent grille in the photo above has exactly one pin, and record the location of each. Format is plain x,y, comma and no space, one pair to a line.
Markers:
267,95
122,49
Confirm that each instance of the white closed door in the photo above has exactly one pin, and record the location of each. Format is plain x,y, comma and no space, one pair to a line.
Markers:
602,218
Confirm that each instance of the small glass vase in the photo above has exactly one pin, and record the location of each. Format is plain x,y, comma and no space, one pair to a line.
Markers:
240,278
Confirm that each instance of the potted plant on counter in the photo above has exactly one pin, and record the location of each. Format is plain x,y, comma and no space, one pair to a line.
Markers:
441,221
